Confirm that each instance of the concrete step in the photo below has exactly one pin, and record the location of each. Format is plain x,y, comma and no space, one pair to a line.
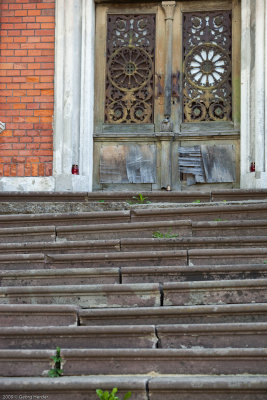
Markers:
134,244
227,335
64,276
238,194
135,361
228,387
21,261
79,337
195,273
144,213
257,255
232,335
229,228
89,296
21,315
120,230
196,212
188,243
155,196
118,259
76,387
28,234
215,292
95,246
141,274
200,314
58,219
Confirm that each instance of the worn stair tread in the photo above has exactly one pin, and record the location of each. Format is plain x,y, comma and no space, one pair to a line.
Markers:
58,246
136,361
38,315
102,195
64,218
135,336
118,230
195,211
174,314
59,276
162,257
135,244
191,273
126,295
234,335
32,233
134,381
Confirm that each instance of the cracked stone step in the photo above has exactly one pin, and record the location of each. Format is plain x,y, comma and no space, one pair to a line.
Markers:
215,292
176,315
229,228
148,258
83,218
135,361
64,276
116,231
79,337
227,335
256,255
196,273
28,234
95,246
90,296
75,387
198,212
248,387
38,315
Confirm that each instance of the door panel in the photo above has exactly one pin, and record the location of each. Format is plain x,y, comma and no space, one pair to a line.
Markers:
167,95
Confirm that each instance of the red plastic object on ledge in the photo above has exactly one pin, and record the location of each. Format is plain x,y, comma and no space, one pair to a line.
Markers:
75,169
252,167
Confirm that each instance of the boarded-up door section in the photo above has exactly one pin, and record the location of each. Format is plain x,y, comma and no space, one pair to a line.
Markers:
128,163
207,164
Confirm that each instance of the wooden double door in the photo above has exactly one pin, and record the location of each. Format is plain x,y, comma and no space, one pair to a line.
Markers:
167,87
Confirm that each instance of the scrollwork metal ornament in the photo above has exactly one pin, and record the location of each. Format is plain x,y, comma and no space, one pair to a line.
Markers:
207,85
130,69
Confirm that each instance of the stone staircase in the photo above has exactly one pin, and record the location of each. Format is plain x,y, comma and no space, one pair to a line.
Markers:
166,299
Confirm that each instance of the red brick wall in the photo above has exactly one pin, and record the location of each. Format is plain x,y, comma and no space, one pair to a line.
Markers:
26,86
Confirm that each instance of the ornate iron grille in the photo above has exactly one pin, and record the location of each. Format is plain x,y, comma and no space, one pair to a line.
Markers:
130,69
207,78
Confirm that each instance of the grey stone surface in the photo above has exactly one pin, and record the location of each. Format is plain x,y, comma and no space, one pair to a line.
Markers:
235,291
37,315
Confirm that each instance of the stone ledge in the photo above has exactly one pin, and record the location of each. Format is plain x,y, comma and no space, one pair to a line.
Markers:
132,295
79,337
38,315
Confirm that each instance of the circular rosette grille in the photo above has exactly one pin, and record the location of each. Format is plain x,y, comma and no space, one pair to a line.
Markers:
130,68
207,66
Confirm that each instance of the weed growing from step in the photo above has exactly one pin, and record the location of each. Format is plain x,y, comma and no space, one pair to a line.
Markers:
56,371
197,201
111,395
168,235
139,199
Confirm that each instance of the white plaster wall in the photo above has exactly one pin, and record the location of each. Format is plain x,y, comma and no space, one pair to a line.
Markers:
74,94
254,93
